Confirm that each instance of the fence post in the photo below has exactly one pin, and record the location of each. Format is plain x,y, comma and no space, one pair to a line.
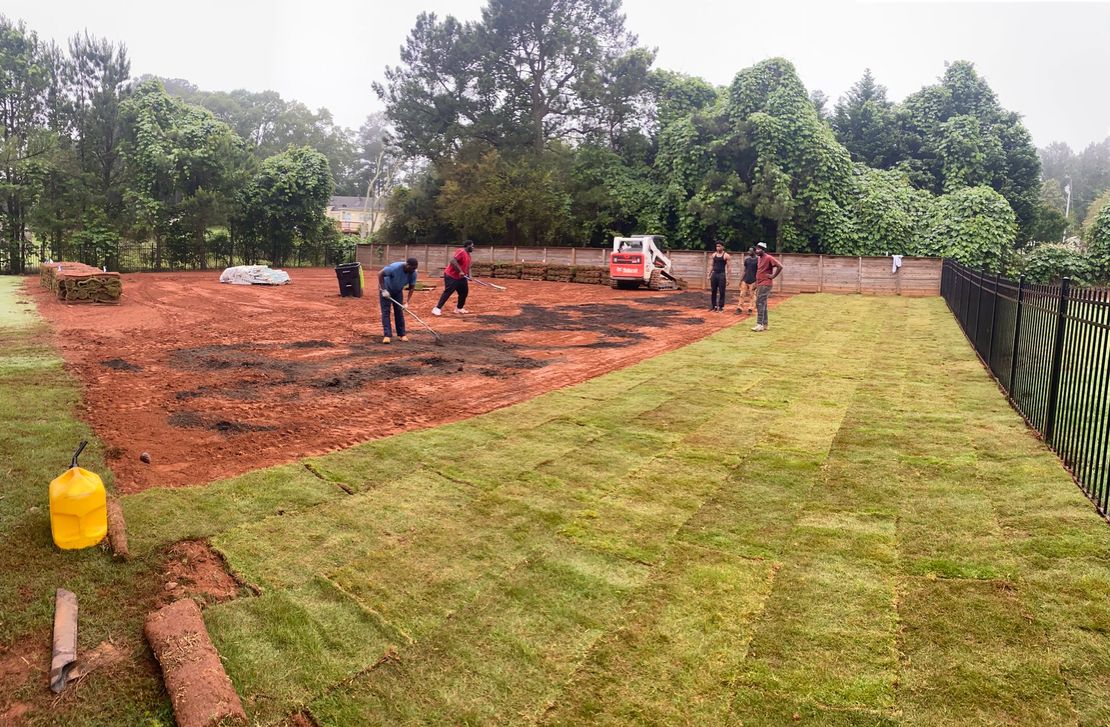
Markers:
994,324
820,273
574,256
1057,361
979,312
1017,337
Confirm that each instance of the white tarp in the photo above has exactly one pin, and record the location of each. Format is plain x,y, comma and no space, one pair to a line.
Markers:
254,275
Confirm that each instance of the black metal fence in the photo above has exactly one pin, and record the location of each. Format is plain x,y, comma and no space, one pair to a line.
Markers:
1047,345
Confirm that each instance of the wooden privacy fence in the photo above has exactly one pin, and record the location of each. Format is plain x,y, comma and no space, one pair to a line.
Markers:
801,273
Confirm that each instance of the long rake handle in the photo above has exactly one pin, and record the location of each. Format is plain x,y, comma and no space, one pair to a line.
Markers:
488,285
408,310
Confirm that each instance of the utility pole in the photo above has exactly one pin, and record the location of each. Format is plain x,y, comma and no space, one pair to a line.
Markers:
1067,207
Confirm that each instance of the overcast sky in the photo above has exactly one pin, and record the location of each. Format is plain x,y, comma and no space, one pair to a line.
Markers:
1046,60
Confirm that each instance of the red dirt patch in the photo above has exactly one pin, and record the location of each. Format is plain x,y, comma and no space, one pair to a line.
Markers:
24,662
215,380
194,569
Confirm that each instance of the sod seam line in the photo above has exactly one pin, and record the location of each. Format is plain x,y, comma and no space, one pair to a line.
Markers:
672,540
319,475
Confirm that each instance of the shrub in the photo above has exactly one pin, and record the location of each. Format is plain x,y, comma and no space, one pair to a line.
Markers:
1048,262
975,226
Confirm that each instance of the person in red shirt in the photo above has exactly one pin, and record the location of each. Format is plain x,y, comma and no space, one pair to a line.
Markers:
455,279
766,270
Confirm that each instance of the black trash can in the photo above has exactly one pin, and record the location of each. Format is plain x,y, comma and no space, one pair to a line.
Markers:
350,279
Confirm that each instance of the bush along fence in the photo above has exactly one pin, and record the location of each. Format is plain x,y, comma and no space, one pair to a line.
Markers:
1047,346
131,256
801,274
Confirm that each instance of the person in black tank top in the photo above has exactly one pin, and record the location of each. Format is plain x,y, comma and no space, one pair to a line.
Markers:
747,283
718,279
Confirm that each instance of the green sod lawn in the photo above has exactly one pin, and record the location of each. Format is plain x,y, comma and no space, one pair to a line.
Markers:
837,522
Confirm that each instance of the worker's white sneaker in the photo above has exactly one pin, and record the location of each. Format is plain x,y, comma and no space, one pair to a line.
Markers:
759,328
402,338
436,312
385,339
462,310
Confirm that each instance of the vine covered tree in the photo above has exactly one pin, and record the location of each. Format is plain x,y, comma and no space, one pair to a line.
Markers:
284,201
186,166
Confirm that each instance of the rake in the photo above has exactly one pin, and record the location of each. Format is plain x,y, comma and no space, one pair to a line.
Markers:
405,308
488,285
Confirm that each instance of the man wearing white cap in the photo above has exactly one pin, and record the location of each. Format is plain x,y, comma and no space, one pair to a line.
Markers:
767,269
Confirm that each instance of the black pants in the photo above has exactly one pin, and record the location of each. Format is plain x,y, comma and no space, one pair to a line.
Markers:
450,285
717,290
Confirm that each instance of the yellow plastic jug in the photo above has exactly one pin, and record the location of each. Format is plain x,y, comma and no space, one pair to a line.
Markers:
78,507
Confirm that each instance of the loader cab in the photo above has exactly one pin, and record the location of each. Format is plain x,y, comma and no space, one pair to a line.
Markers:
639,260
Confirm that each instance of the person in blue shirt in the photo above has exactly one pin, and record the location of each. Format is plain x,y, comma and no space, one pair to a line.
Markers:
392,279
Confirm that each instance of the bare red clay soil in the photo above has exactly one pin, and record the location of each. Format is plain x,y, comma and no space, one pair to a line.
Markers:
213,380
194,570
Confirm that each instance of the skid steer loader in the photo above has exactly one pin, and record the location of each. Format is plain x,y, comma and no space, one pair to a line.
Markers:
639,260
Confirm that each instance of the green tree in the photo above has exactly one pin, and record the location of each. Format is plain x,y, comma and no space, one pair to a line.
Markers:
97,85
801,167
284,203
412,214
1093,211
1098,241
269,124
890,212
612,195
955,134
975,226
863,120
25,142
531,71
677,95
1088,173
186,167
519,201
1049,225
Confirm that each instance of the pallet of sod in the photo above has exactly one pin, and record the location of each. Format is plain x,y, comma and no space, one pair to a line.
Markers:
506,270
533,271
559,273
80,283
586,274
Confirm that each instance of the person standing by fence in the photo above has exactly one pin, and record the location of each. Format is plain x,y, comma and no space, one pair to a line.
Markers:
718,279
767,269
747,282
454,279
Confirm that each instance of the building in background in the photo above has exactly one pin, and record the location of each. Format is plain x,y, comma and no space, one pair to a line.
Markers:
352,217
